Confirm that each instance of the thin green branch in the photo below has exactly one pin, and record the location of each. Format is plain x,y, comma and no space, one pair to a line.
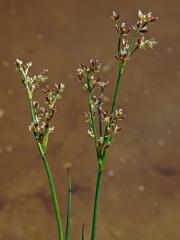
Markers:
99,112
100,122
120,72
114,103
101,167
53,192
69,206
134,39
93,125
82,233
96,205
92,120
119,43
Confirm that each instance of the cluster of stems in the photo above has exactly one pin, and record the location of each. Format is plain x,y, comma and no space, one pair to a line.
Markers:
104,124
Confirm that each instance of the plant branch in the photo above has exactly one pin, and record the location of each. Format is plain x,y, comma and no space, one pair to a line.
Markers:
92,121
120,72
96,204
83,226
69,206
48,172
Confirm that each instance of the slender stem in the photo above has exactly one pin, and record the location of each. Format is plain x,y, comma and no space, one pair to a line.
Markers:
53,192
98,185
31,106
69,206
133,51
93,123
92,118
99,113
119,44
134,39
49,174
96,204
120,72
83,231
100,123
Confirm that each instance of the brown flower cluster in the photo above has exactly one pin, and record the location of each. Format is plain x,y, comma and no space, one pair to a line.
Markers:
41,116
129,40
112,121
88,76
32,82
94,85
128,44
41,127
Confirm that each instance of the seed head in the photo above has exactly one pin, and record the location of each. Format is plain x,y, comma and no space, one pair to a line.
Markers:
146,17
115,17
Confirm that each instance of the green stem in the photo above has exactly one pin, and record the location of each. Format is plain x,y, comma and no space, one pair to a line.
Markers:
69,206
119,44
96,204
31,105
93,124
98,185
83,231
120,72
100,123
92,119
134,39
99,112
53,192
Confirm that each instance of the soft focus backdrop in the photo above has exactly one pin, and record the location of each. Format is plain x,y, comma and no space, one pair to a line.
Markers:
140,197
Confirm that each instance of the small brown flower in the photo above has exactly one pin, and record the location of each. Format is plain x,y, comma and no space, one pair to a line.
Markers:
115,17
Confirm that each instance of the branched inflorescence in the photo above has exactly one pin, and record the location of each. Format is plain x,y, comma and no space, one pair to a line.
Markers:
109,121
127,44
40,125
41,116
94,86
104,124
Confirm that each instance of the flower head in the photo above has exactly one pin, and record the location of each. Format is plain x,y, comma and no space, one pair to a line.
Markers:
146,17
41,116
115,17
143,43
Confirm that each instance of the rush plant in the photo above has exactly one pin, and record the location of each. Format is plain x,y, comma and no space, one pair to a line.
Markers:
41,122
104,124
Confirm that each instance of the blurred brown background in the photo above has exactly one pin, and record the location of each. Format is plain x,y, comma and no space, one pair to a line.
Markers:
140,197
